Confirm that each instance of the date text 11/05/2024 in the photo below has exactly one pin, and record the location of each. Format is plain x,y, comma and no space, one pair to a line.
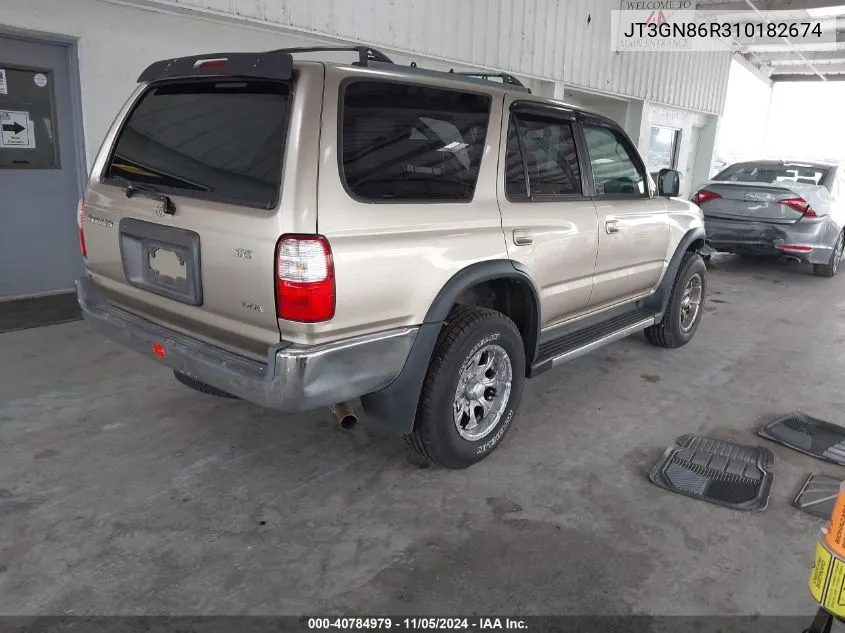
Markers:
417,624
738,30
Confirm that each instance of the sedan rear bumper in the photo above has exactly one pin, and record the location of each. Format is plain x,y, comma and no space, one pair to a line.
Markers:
810,242
294,378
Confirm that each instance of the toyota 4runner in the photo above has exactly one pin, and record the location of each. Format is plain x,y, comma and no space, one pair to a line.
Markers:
305,234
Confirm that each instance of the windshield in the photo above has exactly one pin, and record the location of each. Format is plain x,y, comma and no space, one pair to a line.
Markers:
218,140
773,173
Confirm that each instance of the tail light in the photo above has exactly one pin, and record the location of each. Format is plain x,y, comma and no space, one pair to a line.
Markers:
798,248
80,220
703,195
799,204
305,286
216,62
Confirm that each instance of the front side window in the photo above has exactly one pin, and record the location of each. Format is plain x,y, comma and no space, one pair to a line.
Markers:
212,139
616,171
541,158
405,142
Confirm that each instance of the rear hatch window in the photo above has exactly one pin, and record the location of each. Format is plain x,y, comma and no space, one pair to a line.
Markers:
220,140
777,174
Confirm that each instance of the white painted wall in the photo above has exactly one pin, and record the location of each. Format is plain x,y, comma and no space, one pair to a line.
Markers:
559,40
116,42
118,38
691,166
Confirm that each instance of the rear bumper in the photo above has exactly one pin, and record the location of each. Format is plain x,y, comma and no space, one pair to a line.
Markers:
294,378
813,240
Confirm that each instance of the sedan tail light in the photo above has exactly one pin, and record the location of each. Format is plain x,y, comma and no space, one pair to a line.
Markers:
305,286
703,195
799,204
80,221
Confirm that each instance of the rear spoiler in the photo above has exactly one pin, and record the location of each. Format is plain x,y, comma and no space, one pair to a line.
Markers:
276,65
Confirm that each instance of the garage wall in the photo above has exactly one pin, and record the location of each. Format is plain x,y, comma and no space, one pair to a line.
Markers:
559,40
698,131
116,40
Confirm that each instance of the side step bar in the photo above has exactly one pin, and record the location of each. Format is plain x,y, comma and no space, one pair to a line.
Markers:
574,345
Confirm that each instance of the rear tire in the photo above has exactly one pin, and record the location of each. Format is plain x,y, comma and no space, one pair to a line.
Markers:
832,267
196,385
679,322
472,388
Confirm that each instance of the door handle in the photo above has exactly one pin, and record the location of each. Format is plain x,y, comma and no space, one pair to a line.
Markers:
522,237
612,226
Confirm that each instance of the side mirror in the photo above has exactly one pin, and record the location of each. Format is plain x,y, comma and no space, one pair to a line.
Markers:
668,183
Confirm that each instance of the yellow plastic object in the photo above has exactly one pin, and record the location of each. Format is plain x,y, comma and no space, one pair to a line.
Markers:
827,579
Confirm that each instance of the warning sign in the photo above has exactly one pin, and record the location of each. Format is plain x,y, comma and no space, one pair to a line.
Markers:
818,575
827,580
16,130
4,87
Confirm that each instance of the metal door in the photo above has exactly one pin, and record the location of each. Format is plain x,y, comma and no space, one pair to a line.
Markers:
550,225
633,225
39,170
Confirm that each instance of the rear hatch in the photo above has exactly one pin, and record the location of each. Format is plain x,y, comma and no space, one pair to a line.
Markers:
181,222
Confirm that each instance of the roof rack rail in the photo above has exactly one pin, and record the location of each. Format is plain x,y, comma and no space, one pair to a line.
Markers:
365,53
506,78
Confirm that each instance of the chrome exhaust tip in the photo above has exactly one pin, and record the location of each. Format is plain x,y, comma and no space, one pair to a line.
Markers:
344,413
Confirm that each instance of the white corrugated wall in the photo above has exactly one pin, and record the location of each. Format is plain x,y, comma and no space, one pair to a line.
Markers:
565,41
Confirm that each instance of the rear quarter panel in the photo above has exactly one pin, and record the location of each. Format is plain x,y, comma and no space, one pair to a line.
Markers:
391,260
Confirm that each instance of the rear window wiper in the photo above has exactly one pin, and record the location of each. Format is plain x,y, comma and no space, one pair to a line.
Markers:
133,188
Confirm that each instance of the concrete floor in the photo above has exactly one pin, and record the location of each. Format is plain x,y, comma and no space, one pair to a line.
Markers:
123,492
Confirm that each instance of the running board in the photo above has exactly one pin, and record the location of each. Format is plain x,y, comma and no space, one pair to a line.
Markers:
576,344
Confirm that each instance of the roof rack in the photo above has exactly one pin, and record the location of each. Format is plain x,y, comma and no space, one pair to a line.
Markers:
505,77
365,53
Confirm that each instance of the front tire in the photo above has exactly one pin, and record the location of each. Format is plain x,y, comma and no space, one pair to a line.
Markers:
685,307
832,267
472,388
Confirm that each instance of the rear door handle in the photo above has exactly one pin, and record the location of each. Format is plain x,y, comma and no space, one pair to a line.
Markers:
612,226
522,237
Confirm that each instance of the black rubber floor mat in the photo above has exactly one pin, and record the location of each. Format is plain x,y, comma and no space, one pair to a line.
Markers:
808,435
20,314
727,474
818,495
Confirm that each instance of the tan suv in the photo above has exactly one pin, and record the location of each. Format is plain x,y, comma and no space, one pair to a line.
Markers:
304,234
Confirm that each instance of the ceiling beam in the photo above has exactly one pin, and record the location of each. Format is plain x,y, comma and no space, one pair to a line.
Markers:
769,5
792,77
824,69
804,47
788,57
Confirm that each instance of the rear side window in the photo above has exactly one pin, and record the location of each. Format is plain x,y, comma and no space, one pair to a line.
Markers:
541,159
216,140
404,142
